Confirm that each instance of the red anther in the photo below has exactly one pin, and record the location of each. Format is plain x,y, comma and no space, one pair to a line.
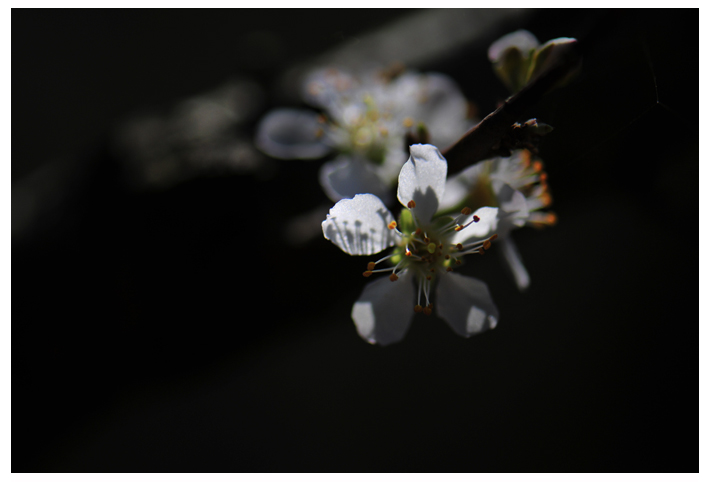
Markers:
458,262
476,219
459,246
433,270
543,176
427,310
466,210
418,309
367,274
418,232
428,278
537,166
393,277
408,253
449,268
371,265
411,204
392,225
448,256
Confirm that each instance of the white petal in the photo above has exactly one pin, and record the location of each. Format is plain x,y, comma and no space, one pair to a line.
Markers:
423,180
347,176
359,226
522,39
384,311
290,134
484,228
465,303
514,261
442,108
513,211
459,186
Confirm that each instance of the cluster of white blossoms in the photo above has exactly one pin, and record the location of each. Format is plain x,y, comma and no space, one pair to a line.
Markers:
369,122
365,120
427,249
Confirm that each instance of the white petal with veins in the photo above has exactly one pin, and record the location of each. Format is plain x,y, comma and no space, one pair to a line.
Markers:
359,226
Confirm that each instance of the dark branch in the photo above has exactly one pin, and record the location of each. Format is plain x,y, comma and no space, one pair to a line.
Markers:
495,135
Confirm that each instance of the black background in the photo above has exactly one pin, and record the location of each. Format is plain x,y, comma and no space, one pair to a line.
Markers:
174,330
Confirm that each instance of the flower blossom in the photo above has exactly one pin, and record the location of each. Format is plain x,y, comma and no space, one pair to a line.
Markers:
427,248
365,120
517,185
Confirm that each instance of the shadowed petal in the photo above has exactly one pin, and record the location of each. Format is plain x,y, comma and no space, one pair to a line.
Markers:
359,226
291,134
465,303
514,261
383,312
346,177
423,180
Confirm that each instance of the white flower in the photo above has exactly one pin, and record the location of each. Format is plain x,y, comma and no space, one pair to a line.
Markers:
365,120
426,249
517,186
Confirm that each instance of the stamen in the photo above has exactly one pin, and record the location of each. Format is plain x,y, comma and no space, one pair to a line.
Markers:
367,273
393,277
418,309
411,204
371,265
392,225
466,211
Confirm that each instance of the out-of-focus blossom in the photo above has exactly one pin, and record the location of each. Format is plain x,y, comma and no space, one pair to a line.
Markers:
199,135
517,185
426,250
366,120
517,57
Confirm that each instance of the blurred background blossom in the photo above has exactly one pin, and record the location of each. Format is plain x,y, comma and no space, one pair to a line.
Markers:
168,315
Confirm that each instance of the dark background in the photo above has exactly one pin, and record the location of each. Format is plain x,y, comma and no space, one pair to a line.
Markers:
174,329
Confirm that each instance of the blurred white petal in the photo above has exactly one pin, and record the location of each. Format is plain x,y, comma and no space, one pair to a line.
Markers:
291,134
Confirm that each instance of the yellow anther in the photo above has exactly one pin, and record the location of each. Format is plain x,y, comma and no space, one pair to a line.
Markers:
371,265
408,253
466,210
393,277
459,227
418,309
392,225
367,274
408,122
411,204
431,248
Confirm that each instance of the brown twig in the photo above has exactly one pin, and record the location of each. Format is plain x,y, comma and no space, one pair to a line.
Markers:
491,137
